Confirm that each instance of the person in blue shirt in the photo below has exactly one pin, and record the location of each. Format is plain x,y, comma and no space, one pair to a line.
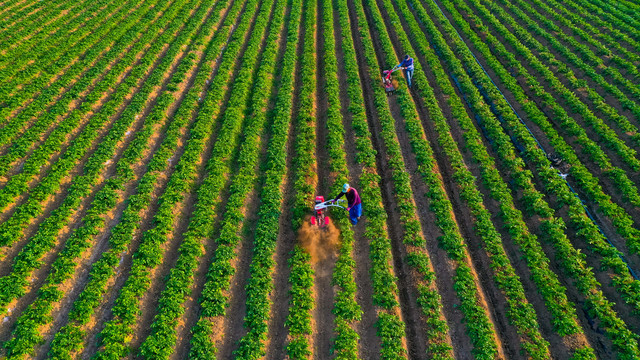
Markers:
407,65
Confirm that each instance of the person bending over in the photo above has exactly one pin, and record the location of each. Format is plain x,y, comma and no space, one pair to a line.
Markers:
354,204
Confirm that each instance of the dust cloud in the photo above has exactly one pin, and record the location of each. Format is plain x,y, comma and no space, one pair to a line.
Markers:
319,243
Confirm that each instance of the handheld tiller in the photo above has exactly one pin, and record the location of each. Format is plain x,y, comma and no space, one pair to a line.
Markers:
389,84
319,218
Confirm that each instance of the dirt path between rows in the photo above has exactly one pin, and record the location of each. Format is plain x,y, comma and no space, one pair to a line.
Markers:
323,290
370,344
277,334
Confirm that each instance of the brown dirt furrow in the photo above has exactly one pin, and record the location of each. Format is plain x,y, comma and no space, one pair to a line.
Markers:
369,345
277,334
324,290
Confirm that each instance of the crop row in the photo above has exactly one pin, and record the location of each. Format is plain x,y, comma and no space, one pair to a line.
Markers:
160,343
612,11
260,283
412,237
521,313
81,239
12,125
606,135
13,101
629,8
129,37
70,337
259,286
301,277
479,327
585,180
17,20
588,63
118,331
53,94
574,263
563,312
43,240
17,11
592,236
619,29
346,309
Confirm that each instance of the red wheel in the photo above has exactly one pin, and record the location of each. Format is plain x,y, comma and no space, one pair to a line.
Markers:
326,221
313,220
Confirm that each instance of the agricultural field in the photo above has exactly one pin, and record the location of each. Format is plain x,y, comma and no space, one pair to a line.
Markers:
160,160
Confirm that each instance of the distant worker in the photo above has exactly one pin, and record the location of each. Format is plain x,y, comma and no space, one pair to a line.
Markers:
354,204
407,65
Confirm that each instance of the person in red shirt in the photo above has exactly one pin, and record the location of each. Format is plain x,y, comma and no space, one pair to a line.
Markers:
354,204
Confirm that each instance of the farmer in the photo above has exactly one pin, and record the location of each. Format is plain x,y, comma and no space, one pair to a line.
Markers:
354,204
407,65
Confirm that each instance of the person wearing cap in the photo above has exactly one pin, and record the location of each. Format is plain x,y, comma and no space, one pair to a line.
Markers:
354,204
407,65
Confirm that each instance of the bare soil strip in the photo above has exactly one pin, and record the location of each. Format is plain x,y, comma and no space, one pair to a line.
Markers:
324,291
369,346
278,333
